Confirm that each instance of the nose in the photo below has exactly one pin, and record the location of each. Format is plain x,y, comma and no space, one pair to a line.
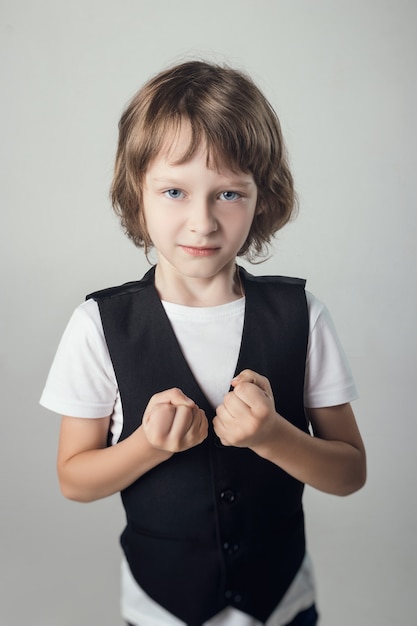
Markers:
202,219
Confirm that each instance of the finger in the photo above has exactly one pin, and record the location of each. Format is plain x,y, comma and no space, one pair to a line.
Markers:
160,418
221,430
249,376
174,396
221,418
185,432
178,397
236,402
182,422
201,425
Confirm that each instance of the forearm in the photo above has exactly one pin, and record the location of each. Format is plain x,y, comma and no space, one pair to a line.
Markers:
94,474
335,467
89,470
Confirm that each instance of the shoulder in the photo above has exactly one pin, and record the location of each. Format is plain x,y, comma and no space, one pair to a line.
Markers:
84,326
123,290
282,295
321,321
272,280
316,308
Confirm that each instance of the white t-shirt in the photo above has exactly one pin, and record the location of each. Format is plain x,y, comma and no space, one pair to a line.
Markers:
82,383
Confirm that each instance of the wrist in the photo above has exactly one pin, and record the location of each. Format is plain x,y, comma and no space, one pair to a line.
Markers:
147,448
275,444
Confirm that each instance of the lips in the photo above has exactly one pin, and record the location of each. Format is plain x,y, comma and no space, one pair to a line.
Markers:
199,251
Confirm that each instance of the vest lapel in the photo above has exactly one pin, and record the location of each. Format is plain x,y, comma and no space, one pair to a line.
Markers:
174,362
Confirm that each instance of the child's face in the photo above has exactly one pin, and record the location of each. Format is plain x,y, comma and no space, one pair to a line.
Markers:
197,217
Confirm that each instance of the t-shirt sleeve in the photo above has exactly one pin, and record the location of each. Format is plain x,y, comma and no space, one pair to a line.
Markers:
329,380
81,381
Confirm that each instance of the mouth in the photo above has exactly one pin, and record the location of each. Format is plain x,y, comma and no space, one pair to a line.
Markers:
200,250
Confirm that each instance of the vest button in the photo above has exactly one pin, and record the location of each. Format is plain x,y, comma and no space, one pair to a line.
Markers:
228,496
230,548
235,597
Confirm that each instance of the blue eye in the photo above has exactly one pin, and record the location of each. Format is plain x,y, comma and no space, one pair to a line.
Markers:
173,193
229,195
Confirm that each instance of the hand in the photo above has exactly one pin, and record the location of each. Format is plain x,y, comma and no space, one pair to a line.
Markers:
247,417
172,422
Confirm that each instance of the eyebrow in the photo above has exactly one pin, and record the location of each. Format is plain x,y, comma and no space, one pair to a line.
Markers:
232,182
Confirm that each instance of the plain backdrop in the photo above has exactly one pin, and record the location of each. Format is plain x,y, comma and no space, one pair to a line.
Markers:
342,77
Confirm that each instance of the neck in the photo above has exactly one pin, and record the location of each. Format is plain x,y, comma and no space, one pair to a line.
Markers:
199,292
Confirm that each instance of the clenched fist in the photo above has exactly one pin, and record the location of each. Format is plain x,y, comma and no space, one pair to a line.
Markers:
247,417
173,422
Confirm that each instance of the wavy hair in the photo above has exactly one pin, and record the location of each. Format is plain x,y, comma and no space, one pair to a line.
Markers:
240,129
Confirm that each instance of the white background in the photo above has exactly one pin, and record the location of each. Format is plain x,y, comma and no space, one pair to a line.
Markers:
342,76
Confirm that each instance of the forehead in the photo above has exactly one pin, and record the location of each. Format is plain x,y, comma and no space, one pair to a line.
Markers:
181,143
177,143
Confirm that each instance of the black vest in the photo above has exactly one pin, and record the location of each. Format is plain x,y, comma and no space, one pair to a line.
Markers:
213,526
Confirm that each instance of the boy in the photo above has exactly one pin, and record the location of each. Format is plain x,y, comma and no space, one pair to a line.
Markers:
203,378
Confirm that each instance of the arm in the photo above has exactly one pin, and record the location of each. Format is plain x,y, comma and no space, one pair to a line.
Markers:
89,470
333,460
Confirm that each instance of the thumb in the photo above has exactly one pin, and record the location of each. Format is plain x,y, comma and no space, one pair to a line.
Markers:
178,397
249,376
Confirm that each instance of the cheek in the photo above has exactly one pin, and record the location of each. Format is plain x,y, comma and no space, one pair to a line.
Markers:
244,223
147,222
161,226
